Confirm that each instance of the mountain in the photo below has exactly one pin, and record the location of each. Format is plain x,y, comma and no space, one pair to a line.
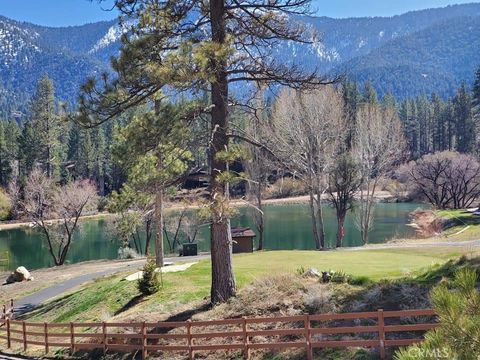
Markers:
436,59
345,39
68,55
414,53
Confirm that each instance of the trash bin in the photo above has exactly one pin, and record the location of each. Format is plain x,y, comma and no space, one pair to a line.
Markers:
190,249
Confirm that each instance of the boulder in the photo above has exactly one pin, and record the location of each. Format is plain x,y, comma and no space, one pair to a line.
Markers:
311,273
19,275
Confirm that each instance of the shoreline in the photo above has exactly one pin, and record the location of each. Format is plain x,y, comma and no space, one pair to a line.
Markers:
380,196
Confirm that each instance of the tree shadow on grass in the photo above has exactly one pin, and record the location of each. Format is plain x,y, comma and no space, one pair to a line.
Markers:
131,303
181,317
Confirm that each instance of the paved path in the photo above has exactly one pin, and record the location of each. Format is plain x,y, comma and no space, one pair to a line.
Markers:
4,356
33,301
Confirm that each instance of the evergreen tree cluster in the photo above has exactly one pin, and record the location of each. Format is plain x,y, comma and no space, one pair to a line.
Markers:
431,124
65,151
61,149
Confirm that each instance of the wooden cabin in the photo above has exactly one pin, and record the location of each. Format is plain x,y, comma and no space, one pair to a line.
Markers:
242,240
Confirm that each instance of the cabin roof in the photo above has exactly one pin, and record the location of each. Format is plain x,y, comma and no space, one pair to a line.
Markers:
242,232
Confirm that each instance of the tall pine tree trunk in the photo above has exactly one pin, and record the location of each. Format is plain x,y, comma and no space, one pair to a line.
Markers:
159,227
159,219
223,280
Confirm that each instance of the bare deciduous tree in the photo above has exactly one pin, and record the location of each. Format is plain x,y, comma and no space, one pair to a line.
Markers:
258,168
378,145
56,210
344,181
447,179
307,130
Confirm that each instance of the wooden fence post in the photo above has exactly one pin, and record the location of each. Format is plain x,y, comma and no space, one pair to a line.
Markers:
104,333
381,333
45,333
144,341
4,312
72,338
189,340
24,331
307,337
9,342
246,351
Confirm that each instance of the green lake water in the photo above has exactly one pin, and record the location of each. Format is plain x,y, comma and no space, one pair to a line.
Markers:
287,227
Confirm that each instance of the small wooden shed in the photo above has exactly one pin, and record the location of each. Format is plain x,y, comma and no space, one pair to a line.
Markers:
242,240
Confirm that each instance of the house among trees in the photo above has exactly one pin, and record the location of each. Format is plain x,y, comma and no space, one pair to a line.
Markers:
242,240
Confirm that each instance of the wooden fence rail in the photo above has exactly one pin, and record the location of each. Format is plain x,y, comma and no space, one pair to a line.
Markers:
307,332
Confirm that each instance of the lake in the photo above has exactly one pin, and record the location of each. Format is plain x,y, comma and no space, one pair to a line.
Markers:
288,227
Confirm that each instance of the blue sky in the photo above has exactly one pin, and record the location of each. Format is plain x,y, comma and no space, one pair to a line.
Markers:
76,12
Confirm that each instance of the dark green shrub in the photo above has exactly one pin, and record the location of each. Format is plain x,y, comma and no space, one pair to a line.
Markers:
149,283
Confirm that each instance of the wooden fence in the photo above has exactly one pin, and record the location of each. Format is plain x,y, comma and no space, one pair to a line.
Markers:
7,311
307,332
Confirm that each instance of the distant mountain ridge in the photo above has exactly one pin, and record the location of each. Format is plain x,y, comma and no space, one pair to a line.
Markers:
415,53
423,62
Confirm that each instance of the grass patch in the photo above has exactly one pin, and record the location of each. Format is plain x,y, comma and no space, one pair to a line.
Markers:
454,214
102,299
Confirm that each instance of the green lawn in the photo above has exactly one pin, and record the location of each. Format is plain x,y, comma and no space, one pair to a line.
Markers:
106,297
463,219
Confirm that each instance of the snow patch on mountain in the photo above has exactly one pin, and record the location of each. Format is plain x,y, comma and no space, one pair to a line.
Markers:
16,43
113,35
322,52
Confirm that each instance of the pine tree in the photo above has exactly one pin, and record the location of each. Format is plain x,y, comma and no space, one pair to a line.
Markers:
73,148
29,150
465,129
156,143
12,138
476,103
450,124
424,120
5,165
408,116
351,99
439,124
476,93
369,95
85,165
100,166
47,127
194,45
389,101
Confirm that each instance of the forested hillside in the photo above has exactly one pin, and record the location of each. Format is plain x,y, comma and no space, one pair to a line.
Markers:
436,59
28,52
407,55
